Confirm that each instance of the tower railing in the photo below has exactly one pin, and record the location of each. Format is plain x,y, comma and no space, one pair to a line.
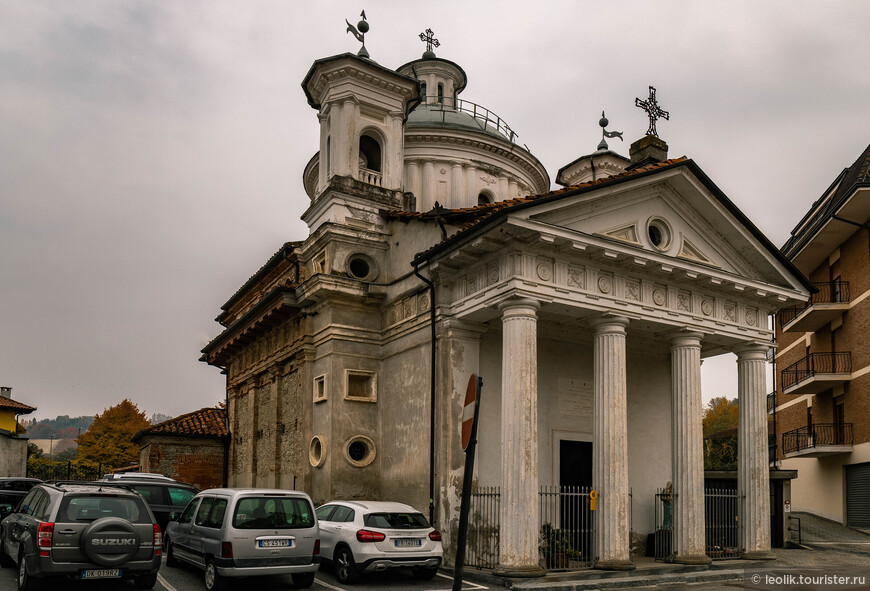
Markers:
486,119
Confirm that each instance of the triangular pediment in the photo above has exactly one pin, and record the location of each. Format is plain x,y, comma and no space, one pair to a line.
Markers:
672,214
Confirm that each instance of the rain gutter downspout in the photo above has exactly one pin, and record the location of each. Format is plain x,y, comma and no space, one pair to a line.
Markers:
431,396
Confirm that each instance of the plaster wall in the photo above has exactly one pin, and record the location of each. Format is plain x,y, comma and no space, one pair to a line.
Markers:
13,456
821,482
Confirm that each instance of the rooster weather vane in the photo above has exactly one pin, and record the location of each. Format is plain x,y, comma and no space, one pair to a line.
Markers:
652,110
359,31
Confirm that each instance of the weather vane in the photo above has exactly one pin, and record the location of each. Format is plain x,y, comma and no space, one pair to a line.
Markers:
429,37
653,111
360,34
603,122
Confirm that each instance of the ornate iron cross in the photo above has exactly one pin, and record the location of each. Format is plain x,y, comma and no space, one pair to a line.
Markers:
429,37
653,111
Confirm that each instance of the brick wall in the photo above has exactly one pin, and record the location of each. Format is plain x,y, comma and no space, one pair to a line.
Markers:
196,461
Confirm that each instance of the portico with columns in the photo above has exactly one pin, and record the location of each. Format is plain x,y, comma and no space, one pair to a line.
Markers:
587,328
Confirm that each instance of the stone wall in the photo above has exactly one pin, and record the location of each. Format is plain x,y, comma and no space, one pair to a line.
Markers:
199,462
13,456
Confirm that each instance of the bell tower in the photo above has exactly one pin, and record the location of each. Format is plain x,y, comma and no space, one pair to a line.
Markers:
362,107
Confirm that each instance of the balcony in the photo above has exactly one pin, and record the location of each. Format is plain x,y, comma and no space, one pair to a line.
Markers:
831,300
771,402
817,440
372,177
817,372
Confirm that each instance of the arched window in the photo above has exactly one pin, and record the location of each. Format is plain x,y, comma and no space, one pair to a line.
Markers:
423,91
440,93
483,199
369,153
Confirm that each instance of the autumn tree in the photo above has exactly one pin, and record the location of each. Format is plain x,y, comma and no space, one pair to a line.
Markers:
720,451
108,439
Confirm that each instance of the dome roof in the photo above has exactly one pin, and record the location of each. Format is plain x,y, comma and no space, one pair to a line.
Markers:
436,115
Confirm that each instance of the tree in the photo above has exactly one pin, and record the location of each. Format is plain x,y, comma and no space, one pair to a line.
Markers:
108,438
719,415
34,451
720,449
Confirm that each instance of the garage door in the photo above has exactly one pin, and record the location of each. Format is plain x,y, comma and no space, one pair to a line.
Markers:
858,495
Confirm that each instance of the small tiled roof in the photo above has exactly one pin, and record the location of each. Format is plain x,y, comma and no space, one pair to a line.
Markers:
19,407
209,423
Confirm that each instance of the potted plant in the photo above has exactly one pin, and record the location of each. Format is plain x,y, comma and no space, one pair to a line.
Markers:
555,547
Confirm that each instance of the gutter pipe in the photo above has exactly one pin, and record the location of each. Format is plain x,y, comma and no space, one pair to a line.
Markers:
431,396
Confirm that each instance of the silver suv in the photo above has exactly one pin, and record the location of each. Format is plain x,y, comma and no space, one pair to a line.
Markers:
247,532
81,531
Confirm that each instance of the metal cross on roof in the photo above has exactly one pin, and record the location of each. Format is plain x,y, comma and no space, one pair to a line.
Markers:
429,37
652,110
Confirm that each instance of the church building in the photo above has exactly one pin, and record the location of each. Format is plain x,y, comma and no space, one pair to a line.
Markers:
437,250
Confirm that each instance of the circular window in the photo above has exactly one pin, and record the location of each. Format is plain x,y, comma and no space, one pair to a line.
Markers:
316,450
359,451
362,266
659,234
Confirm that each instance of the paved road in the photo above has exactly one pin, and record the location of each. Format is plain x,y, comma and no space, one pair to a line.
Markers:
185,578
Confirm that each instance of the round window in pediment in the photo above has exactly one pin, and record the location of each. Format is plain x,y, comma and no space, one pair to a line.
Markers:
659,234
361,266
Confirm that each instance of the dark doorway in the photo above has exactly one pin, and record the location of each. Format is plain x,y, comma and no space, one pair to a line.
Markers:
575,479
777,515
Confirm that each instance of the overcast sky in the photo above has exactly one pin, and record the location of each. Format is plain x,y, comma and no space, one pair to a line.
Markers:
151,153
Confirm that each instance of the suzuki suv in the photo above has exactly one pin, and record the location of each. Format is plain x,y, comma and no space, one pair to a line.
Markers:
81,531
249,532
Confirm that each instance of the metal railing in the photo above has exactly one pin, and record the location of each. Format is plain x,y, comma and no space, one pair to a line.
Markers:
663,532
816,363
481,549
815,435
372,177
771,448
45,469
798,529
829,292
483,116
722,523
567,529
771,402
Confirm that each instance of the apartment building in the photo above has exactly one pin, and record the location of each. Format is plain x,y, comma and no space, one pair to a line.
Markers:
822,398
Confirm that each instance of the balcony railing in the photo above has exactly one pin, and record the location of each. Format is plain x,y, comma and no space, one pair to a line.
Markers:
817,435
814,364
829,292
771,402
372,177
483,116
771,448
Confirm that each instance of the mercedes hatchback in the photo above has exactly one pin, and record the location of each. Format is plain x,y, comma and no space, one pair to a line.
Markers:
365,536
247,532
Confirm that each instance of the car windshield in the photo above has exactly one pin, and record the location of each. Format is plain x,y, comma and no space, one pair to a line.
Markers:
273,513
90,508
396,520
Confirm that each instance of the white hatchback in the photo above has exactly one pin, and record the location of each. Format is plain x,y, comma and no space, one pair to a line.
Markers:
366,536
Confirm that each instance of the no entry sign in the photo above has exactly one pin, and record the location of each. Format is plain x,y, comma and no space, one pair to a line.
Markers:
468,410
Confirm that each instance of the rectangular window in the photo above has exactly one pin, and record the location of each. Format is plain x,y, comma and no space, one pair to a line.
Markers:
273,513
320,388
361,385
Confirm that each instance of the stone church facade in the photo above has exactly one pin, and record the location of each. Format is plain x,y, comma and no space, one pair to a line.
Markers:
586,310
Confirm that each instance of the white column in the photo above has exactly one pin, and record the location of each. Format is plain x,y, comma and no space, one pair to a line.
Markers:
610,445
518,535
688,456
457,190
753,476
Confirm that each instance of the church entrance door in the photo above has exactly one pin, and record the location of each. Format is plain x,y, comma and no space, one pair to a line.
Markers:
575,480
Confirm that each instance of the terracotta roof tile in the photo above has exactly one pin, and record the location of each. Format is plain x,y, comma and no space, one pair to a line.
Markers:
205,422
19,407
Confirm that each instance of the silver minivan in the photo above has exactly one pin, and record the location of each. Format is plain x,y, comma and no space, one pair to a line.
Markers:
236,532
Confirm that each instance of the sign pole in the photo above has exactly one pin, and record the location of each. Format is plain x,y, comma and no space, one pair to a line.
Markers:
475,384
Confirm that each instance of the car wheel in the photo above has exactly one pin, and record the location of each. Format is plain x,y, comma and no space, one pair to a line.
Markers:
171,560
213,581
303,580
25,581
145,582
423,573
345,568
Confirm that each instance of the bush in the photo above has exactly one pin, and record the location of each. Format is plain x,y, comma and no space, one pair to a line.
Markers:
46,469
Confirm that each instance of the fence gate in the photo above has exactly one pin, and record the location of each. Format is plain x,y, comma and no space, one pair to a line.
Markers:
722,523
567,528
481,546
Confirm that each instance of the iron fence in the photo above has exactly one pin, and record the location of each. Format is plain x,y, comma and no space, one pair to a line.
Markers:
69,470
829,292
816,363
663,530
481,546
722,523
567,527
816,435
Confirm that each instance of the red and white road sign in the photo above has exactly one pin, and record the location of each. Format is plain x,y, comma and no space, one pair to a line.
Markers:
468,410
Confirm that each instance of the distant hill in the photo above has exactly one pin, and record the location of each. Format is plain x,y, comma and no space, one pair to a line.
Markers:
62,427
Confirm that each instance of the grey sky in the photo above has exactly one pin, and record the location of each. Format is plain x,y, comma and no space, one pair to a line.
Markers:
151,153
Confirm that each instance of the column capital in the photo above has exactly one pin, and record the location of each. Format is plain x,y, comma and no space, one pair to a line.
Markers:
685,338
609,324
753,351
456,328
519,307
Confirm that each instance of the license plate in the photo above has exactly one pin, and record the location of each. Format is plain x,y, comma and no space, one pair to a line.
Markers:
408,542
274,543
104,573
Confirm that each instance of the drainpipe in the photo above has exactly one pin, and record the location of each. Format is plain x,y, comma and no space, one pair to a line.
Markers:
226,466
431,397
